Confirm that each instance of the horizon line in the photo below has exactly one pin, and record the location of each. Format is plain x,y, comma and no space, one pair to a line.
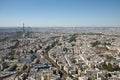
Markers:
54,26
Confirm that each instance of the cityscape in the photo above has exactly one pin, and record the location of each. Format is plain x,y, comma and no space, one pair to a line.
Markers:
60,53
59,39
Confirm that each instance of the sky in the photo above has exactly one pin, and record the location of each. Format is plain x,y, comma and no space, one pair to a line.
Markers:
60,13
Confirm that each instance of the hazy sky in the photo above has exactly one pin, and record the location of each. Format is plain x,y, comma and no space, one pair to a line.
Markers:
60,13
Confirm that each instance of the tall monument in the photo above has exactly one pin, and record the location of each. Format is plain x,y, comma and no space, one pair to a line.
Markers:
23,28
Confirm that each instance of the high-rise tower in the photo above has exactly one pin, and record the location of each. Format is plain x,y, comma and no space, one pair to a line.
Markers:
23,28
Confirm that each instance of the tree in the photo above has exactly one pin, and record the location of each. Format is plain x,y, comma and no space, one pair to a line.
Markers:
94,44
91,78
73,38
108,57
31,51
73,60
